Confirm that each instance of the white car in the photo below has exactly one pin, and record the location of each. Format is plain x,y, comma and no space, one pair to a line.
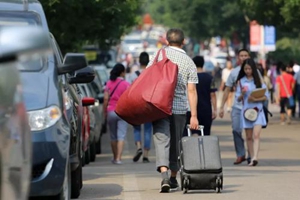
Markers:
132,44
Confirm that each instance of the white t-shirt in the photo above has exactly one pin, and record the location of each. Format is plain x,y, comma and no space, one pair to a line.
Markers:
225,74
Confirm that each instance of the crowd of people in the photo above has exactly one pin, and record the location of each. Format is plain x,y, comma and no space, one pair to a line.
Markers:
195,103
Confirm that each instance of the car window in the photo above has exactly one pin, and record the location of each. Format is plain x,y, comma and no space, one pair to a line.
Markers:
11,18
132,41
103,75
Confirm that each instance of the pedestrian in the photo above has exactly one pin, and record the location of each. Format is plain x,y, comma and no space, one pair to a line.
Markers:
207,101
290,71
285,86
225,74
168,131
297,78
143,60
247,81
117,126
237,130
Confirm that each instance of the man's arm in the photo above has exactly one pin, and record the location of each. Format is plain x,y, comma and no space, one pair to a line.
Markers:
213,98
224,99
193,100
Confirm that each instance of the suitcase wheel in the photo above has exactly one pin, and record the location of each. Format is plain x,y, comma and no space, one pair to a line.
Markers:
185,185
219,185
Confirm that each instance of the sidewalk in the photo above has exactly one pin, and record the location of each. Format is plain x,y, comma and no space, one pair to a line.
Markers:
275,178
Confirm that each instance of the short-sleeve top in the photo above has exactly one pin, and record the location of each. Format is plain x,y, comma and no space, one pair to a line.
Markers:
110,86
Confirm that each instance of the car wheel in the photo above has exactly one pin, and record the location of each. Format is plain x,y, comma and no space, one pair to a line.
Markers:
65,193
76,184
87,155
98,146
93,151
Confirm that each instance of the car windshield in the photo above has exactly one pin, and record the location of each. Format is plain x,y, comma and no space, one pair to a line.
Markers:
132,41
10,18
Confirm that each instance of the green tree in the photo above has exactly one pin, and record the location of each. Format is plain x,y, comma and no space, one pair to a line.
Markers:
78,22
200,19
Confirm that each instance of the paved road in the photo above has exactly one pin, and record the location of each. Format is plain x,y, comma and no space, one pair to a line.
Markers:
275,178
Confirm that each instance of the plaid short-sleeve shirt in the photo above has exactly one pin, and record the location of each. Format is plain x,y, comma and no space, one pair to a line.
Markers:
187,73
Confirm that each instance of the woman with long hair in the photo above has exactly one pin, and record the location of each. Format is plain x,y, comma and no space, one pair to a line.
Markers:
117,126
247,81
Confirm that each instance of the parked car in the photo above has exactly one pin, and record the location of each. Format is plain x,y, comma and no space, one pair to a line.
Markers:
95,115
56,136
15,138
102,73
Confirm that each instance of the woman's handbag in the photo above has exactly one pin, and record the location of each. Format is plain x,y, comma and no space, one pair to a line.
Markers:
150,97
251,114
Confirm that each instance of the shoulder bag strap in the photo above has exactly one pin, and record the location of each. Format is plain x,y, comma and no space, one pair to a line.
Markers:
115,88
284,85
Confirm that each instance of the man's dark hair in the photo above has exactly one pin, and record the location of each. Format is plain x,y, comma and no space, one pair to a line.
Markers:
243,49
282,67
144,58
175,36
199,61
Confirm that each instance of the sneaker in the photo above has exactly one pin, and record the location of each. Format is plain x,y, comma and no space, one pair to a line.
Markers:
173,183
138,154
118,162
145,160
165,186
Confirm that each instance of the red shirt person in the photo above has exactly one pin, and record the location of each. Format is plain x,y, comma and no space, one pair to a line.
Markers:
285,86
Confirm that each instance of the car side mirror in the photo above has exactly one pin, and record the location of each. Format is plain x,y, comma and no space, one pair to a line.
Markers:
24,43
88,101
72,62
85,75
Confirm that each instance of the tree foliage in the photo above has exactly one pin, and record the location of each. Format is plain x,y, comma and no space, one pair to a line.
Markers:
78,22
207,18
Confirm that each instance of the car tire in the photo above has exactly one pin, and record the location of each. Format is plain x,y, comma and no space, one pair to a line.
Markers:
76,183
98,146
93,151
65,193
87,155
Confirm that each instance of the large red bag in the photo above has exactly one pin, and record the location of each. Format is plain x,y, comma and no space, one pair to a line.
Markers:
150,97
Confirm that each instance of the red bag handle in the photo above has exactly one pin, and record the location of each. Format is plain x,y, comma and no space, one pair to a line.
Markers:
164,56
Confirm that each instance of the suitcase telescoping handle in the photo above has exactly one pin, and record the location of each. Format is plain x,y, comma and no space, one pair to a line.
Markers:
200,128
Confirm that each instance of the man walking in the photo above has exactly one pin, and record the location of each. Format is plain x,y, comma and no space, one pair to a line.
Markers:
237,130
143,60
168,131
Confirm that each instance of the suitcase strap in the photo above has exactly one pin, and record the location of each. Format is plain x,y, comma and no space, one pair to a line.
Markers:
201,150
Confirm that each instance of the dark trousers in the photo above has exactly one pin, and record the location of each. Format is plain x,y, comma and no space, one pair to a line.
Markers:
204,118
167,134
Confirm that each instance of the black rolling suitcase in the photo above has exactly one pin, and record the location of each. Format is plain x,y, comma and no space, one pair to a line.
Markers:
200,160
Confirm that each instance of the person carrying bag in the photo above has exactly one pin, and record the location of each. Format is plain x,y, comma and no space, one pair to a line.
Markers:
150,97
